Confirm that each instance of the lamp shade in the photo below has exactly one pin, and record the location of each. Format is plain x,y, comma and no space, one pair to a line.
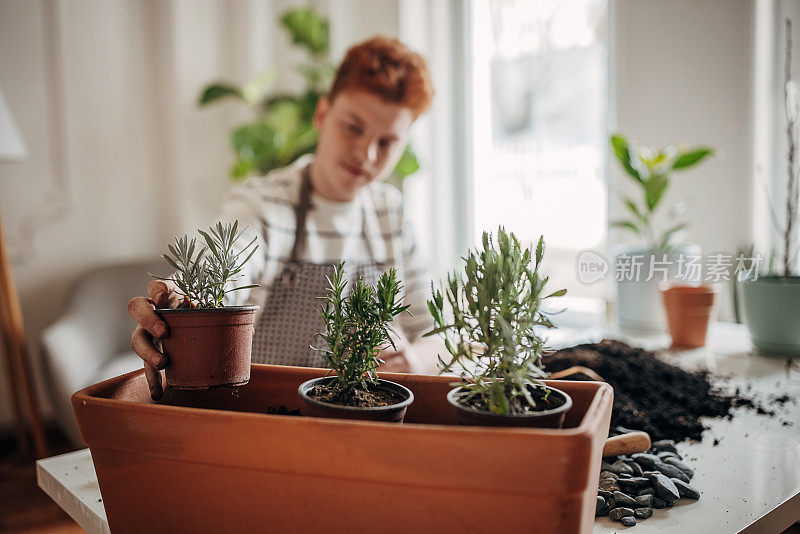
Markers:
12,147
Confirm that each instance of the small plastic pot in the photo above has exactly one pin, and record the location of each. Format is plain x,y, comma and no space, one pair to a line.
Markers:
545,419
208,347
689,310
394,413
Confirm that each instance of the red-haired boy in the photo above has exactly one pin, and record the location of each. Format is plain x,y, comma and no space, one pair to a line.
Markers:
326,207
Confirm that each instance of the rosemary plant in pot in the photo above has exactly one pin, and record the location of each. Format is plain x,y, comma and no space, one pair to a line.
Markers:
640,266
209,343
357,328
489,329
770,301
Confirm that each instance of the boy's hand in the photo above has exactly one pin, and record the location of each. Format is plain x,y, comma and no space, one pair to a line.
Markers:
160,294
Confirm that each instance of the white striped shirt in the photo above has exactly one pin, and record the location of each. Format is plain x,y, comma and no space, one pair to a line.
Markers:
370,227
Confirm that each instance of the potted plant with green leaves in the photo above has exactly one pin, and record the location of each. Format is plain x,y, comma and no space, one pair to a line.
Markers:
770,299
357,329
489,318
282,128
209,343
659,246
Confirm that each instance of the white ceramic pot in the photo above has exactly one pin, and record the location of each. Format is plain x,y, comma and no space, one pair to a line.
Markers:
639,306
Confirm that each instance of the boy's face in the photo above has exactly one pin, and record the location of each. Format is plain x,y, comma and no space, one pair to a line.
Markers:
361,138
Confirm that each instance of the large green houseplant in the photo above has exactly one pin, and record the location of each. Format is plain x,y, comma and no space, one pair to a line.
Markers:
281,129
488,316
770,301
651,170
357,329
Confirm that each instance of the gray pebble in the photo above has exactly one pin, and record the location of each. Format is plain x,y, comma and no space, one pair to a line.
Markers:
637,469
601,503
621,468
665,488
607,474
618,513
623,430
647,461
628,521
685,490
603,493
643,513
665,445
672,472
688,471
610,504
605,466
646,491
633,483
609,484
624,500
659,503
644,501
664,455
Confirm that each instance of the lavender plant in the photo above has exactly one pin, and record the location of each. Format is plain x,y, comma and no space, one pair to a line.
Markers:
495,306
202,273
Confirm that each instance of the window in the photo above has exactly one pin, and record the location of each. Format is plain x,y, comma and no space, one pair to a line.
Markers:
538,80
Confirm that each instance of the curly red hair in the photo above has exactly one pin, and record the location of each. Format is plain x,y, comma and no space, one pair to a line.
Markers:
386,67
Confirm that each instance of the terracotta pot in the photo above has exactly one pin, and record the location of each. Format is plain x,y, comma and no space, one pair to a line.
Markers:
545,419
208,347
390,414
689,310
170,466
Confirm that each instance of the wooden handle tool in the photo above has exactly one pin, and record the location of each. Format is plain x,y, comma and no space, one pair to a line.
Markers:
627,444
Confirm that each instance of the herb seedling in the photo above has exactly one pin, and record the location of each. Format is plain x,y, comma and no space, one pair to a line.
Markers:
357,329
203,272
491,336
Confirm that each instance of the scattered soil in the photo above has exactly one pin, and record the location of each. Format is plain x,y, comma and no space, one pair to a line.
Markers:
544,399
649,394
360,398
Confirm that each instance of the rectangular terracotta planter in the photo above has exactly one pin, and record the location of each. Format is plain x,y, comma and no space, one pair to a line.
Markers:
215,462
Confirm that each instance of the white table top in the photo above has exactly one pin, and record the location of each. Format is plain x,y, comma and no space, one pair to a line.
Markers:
750,481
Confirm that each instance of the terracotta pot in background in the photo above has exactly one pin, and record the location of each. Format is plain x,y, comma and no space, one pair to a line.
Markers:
545,419
208,347
394,413
689,310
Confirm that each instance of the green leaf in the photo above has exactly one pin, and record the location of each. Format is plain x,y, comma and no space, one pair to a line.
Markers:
408,163
692,157
217,91
654,189
623,153
628,225
307,29
631,205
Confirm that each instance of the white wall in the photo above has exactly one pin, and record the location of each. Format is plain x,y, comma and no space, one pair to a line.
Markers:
682,73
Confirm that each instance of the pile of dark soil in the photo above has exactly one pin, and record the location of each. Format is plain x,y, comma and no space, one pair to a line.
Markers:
649,394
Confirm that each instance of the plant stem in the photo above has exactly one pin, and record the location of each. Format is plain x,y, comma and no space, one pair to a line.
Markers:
791,194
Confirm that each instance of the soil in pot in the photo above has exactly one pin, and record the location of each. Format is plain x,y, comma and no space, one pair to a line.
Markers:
360,398
551,407
388,401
